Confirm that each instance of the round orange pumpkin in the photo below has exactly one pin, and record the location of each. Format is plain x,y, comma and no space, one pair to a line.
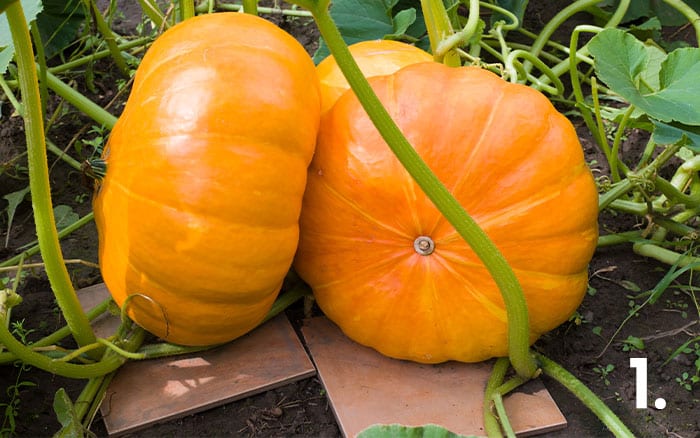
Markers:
198,212
386,266
375,58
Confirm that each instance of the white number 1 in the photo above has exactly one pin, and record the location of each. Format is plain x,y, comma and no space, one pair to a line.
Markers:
640,364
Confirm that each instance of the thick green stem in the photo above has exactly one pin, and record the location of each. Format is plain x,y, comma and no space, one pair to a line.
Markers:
39,182
186,9
58,335
505,279
85,105
587,397
41,60
498,373
449,43
204,8
439,29
75,371
33,247
98,55
250,7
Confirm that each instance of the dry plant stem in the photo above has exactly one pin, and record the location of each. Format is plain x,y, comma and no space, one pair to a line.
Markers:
39,182
488,253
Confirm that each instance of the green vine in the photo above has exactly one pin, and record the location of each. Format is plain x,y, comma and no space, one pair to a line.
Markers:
516,307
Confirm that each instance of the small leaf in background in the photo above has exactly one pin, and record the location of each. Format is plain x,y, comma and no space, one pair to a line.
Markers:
633,343
401,431
13,199
7,49
621,62
64,216
403,20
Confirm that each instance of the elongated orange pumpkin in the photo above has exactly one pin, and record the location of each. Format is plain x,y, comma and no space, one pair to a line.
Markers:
375,58
386,266
198,213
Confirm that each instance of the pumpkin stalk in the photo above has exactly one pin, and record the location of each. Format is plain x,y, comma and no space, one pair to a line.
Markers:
440,30
516,307
39,184
250,7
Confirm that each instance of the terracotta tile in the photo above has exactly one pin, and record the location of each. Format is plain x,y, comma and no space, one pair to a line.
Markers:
366,388
105,324
152,391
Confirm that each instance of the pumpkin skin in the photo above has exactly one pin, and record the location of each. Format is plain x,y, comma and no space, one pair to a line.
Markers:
374,57
512,161
198,212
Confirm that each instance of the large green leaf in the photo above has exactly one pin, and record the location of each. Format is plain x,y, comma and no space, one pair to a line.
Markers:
7,50
362,20
624,64
401,431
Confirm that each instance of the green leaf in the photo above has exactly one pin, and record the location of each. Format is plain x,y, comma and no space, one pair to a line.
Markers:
517,7
403,20
59,23
7,49
64,216
13,199
68,417
401,431
672,133
629,68
362,20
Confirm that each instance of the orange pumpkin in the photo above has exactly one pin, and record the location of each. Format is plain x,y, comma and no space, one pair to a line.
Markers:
198,212
386,266
375,58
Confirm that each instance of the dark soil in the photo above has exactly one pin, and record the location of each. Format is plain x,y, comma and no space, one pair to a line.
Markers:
618,277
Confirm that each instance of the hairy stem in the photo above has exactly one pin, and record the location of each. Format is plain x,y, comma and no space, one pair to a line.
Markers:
39,181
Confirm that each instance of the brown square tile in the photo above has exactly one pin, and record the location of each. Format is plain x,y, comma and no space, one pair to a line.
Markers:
366,388
152,391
